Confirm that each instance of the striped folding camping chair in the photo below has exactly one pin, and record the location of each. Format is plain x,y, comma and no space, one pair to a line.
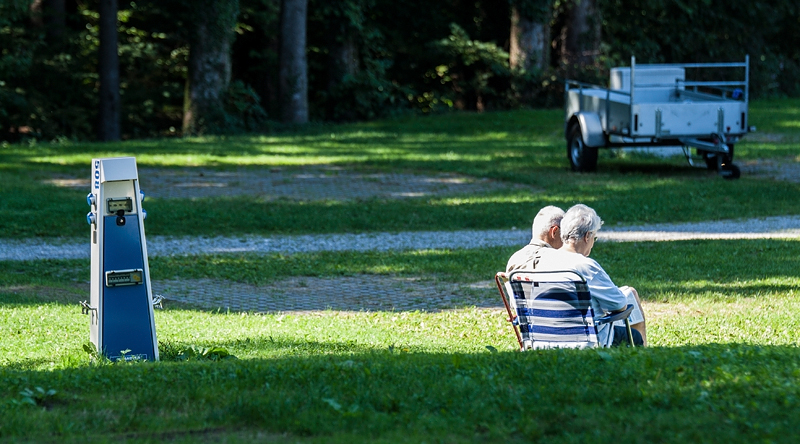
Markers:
553,309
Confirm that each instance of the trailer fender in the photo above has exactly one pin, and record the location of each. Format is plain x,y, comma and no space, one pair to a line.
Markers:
591,128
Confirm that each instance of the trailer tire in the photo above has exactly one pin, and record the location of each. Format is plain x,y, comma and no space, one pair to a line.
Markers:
730,171
582,158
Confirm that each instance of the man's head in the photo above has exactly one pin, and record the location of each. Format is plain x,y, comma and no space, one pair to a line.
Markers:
546,225
579,228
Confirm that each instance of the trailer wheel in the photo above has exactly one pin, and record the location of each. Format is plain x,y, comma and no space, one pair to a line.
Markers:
730,171
582,158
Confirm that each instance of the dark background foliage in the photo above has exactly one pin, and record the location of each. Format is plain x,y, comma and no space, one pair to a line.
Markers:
405,57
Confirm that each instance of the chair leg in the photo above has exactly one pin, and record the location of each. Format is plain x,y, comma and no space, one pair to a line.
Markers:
500,276
630,335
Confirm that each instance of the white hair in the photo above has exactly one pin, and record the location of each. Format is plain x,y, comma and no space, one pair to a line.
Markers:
547,217
578,221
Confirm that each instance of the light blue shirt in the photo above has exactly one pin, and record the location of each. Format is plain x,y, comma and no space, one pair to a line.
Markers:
606,296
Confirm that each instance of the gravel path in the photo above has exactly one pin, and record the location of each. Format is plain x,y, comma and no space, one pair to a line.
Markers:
340,293
308,183
765,228
778,227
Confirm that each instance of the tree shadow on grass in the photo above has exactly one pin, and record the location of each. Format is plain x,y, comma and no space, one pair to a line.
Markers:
564,395
268,345
37,294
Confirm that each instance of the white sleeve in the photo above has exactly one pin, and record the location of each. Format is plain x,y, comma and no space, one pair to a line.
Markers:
607,295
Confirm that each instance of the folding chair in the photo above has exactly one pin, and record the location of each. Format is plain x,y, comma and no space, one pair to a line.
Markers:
553,309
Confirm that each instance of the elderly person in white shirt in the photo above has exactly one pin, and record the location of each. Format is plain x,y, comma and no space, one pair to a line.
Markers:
579,229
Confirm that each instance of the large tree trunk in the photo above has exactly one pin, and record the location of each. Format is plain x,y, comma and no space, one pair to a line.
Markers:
530,41
581,45
209,73
293,77
109,118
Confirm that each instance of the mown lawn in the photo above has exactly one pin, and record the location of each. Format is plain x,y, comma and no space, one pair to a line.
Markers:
723,361
722,366
519,147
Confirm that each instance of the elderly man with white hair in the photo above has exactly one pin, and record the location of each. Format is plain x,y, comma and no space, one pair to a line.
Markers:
579,229
545,233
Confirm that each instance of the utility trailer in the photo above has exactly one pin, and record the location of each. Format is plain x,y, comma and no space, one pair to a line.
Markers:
657,106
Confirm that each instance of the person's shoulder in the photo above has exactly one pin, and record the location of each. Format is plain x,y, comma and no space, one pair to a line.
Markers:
559,253
568,259
586,262
591,262
549,252
546,249
554,258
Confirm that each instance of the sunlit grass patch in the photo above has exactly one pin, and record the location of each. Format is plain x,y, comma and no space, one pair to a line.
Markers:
695,292
760,321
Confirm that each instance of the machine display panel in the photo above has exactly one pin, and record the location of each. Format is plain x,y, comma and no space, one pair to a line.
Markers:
124,277
116,204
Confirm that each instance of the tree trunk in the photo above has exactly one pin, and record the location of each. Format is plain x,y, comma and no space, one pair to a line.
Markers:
530,42
343,61
293,77
209,73
582,37
35,9
108,70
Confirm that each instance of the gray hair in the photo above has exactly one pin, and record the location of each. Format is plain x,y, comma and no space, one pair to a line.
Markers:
546,217
578,221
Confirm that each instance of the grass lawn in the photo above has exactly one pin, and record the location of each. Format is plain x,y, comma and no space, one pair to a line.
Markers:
520,147
722,315
723,361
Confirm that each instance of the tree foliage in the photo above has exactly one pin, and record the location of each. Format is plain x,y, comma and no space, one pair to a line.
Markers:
710,30
534,10
366,58
476,72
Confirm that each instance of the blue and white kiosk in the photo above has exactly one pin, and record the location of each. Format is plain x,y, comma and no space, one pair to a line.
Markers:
122,325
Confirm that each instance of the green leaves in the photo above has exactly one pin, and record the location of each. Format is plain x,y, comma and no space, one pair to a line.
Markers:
196,353
36,397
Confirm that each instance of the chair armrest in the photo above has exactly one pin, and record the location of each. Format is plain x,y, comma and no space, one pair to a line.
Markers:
613,317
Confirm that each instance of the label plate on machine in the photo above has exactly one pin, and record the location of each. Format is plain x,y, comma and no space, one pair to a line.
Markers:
116,204
118,278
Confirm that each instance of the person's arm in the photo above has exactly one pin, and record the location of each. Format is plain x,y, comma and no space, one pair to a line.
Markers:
609,297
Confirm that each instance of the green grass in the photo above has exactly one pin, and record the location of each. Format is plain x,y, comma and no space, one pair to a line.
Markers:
698,292
691,394
520,147
723,366
778,131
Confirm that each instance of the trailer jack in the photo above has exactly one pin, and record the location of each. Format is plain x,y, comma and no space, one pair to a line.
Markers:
716,153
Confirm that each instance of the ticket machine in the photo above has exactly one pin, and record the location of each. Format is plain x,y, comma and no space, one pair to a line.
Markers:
121,308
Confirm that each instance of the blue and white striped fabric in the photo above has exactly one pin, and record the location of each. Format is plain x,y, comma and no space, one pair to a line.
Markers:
553,314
